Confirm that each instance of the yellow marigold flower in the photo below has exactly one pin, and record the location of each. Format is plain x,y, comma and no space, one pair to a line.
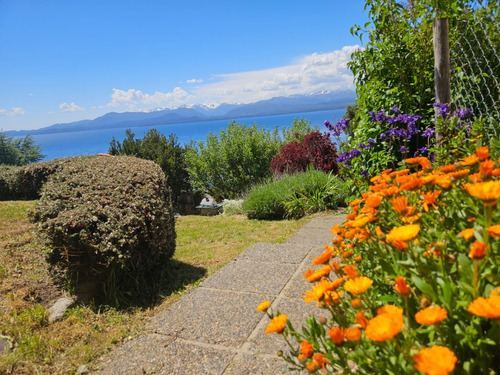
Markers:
431,315
263,306
486,307
359,221
277,324
322,272
324,257
403,233
494,230
483,153
470,160
401,287
477,250
387,324
436,360
337,335
467,233
358,285
306,349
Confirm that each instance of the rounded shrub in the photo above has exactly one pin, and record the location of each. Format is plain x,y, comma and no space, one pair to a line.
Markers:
108,219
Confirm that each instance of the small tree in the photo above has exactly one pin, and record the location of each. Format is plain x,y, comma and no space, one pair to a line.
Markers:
20,151
166,152
315,149
227,165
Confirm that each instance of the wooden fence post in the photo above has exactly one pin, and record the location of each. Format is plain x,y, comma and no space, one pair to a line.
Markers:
441,62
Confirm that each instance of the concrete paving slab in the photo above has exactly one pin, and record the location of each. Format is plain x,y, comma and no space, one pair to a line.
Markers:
267,252
297,311
251,276
143,355
211,316
258,365
311,237
324,222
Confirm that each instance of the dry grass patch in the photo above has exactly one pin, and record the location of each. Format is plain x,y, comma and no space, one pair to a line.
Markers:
204,245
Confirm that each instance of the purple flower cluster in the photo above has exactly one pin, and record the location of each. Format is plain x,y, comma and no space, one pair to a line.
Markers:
463,113
346,157
339,127
402,119
429,132
443,109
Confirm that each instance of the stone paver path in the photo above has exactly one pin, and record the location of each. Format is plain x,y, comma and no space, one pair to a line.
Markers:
216,329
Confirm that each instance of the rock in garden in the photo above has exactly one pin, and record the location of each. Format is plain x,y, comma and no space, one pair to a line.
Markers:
58,309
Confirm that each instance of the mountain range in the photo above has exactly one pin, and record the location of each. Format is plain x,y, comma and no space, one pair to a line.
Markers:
198,113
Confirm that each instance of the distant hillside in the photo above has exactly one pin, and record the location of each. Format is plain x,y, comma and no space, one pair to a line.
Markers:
197,113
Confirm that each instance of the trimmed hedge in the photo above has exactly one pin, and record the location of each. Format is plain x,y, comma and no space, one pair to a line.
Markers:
108,219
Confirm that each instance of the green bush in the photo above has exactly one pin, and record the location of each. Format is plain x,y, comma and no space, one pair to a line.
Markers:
18,151
295,196
232,207
108,219
226,165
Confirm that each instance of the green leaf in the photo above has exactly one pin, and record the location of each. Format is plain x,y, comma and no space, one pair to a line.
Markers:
424,286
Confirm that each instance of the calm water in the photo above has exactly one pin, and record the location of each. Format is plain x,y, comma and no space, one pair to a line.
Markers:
95,141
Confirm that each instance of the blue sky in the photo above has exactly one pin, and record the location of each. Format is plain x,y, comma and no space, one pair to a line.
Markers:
65,60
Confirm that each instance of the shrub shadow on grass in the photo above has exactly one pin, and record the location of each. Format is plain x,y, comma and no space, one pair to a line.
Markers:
177,275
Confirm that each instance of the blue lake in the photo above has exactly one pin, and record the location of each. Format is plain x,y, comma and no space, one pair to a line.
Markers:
91,142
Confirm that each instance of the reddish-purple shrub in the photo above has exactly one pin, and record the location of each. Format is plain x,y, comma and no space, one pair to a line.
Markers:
316,150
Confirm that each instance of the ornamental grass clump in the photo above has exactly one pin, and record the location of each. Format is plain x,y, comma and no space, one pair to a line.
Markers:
108,221
410,283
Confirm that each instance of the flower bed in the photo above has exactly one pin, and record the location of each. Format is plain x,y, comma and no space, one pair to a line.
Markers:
411,280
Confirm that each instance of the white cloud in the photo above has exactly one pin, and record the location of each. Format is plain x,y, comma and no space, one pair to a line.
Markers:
65,107
137,100
313,73
14,111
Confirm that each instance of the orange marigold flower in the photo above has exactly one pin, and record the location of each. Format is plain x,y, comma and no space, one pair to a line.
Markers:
336,230
431,315
277,324
374,200
486,168
436,360
459,174
337,335
379,232
324,257
475,177
312,366
308,273
424,163
306,349
443,181
346,254
358,285
322,272
403,233
358,258
351,216
356,303
401,287
335,265
400,204
412,160
411,219
332,297
319,290
477,250
483,153
359,221
430,199
495,172
361,319
387,324
390,191
320,360
355,202
263,306
350,271
486,307
470,160
400,245
352,334
448,168
467,233
494,230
